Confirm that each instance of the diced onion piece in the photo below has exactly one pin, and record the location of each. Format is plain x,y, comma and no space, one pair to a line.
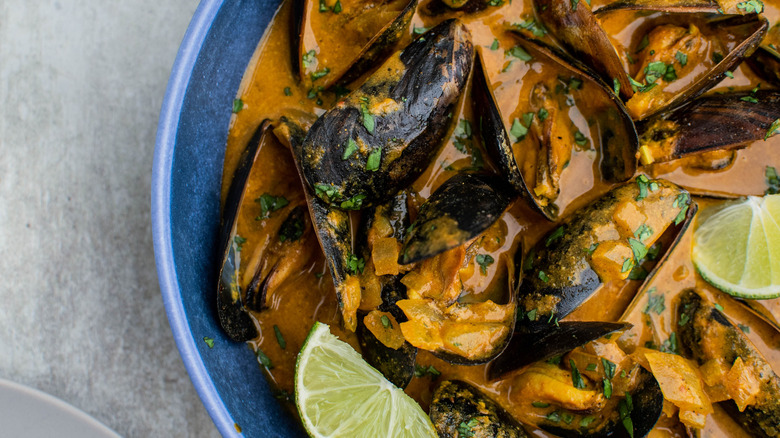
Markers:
741,384
384,253
679,381
385,328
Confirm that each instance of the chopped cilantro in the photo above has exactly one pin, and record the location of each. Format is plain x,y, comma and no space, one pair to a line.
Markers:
386,322
309,57
750,99
355,265
494,46
567,417
419,30
239,242
639,249
484,260
719,307
465,428
681,57
609,367
643,183
279,337
531,315
627,265
368,119
580,138
238,105
328,191
654,251
532,26
351,148
518,131
682,201
557,234
591,367
616,85
643,232
555,360
337,7
774,128
729,74
624,408
319,73
642,44
269,204
575,84
751,6
537,404
576,377
520,53
670,345
528,118
543,277
430,370
586,421
554,416
287,91
543,115
592,248
263,359
684,318
574,3
655,302
744,328
208,341
354,203
374,159
772,181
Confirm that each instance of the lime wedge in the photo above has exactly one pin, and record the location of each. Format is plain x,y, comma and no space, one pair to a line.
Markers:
338,394
737,248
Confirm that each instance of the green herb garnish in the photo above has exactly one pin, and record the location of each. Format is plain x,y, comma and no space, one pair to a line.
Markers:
484,260
279,337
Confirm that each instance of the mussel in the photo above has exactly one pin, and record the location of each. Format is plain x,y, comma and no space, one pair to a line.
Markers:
542,111
459,210
461,302
766,60
715,122
266,233
379,334
601,243
322,57
383,135
461,410
680,49
731,362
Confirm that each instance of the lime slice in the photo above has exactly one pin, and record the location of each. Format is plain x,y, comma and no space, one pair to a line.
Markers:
338,394
737,248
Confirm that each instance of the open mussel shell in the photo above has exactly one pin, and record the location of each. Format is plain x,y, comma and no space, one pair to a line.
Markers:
730,38
709,123
367,34
647,402
459,210
332,226
709,336
544,151
396,364
261,223
383,135
766,62
535,342
456,406
598,244
575,26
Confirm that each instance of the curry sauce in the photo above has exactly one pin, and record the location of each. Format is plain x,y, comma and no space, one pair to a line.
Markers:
271,89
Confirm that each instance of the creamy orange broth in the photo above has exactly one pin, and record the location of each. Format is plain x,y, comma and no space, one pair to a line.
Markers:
310,297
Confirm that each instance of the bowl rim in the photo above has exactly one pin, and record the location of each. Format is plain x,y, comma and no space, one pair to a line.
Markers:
167,129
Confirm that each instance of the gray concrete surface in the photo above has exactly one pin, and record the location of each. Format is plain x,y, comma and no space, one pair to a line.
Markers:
81,317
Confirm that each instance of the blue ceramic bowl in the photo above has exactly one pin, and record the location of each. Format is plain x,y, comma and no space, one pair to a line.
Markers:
186,179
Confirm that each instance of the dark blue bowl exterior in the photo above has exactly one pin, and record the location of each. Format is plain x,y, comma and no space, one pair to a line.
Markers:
186,182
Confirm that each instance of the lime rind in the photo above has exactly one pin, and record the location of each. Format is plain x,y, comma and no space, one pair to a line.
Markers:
737,249
343,396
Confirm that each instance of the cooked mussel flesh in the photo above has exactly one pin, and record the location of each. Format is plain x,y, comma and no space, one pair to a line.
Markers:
459,410
322,57
545,111
679,49
732,362
598,244
383,135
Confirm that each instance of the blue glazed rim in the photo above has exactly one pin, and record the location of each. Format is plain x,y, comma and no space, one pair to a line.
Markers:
196,109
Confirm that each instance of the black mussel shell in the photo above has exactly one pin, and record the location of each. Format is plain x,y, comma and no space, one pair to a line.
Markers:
617,140
560,271
647,402
459,409
315,68
709,123
290,235
397,365
384,134
575,26
459,210
535,342
707,335
766,62
742,34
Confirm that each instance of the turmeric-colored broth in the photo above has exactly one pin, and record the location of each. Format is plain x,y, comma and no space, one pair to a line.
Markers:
270,89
